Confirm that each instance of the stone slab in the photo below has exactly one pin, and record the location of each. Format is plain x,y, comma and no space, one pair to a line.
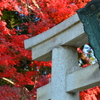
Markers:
69,32
83,79
73,36
44,92
29,43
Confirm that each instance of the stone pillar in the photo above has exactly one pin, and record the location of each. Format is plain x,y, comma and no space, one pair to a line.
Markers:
64,61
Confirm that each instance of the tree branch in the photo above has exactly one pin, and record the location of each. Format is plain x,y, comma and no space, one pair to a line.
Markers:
8,80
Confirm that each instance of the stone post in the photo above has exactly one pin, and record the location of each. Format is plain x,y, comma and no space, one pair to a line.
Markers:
64,61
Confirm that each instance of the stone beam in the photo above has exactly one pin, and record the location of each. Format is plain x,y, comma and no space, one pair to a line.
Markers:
70,32
44,92
83,79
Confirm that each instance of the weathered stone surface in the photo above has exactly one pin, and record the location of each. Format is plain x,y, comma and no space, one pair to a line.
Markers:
83,79
69,32
44,93
64,61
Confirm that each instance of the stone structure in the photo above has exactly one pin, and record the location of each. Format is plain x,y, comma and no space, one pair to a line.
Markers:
59,45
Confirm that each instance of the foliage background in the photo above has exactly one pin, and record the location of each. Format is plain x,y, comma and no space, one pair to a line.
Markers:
20,76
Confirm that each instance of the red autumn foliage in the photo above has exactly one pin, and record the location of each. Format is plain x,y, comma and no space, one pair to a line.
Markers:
15,62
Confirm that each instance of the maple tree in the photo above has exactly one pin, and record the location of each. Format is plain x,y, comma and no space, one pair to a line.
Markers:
20,20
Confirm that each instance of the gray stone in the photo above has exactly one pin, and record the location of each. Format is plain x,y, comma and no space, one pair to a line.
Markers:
64,61
44,93
69,32
83,79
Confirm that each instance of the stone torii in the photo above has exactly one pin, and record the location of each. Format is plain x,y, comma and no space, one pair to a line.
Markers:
59,44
